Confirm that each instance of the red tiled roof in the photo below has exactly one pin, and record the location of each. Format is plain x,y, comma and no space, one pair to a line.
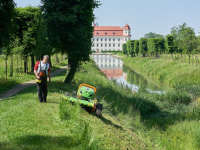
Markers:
127,27
108,33
109,30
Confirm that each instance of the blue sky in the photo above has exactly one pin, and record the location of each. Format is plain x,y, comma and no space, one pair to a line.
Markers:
143,16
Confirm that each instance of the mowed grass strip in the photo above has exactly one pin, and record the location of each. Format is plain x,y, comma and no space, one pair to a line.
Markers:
27,124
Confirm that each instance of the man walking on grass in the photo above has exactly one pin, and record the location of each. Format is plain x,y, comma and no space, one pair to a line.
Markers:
42,71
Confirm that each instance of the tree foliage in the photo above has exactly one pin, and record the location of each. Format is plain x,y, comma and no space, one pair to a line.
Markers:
124,49
161,45
69,28
6,16
184,38
130,47
153,35
170,44
151,44
143,46
136,46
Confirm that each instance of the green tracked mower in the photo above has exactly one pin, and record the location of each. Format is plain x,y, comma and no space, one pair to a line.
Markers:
85,96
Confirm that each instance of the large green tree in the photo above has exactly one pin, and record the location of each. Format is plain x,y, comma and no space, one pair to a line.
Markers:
27,26
69,28
184,38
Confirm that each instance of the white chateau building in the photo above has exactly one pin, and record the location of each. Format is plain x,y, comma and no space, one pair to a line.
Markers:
110,38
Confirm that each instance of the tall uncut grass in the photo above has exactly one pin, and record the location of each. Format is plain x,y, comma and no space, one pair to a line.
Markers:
150,113
166,70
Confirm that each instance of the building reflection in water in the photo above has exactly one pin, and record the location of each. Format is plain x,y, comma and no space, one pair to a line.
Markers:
110,66
114,68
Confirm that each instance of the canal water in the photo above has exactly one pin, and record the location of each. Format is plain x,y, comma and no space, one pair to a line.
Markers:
114,68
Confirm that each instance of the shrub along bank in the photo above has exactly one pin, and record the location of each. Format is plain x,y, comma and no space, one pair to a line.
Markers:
168,71
130,120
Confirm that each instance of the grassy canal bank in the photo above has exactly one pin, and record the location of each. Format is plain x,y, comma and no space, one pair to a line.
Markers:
130,120
168,71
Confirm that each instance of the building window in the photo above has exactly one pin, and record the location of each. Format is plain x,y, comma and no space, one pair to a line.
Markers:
97,33
125,39
105,45
105,39
109,39
97,45
105,33
109,45
118,45
101,45
92,45
93,39
113,45
101,39
97,39
113,39
113,33
118,39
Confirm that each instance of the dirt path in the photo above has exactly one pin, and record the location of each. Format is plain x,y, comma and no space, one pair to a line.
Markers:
16,89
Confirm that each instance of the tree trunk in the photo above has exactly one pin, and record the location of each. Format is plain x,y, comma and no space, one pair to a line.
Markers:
50,62
6,67
32,63
25,65
57,59
21,65
11,66
17,65
181,58
189,59
171,56
192,59
73,64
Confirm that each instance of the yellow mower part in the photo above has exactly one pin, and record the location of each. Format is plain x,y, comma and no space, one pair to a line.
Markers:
38,81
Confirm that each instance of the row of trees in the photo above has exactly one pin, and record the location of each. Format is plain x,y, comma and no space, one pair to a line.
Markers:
182,40
58,26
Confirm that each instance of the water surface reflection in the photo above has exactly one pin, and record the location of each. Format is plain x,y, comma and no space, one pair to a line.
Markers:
114,68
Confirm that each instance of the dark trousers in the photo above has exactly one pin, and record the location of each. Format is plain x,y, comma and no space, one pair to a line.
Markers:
42,90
